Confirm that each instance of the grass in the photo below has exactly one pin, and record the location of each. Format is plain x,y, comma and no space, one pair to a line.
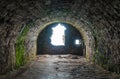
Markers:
20,47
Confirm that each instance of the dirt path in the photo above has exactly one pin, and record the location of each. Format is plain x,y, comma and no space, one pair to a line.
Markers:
64,67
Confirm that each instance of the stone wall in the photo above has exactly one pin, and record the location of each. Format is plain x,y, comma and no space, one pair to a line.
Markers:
95,19
104,17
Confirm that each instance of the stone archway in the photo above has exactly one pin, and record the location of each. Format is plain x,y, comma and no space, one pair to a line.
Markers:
40,24
68,46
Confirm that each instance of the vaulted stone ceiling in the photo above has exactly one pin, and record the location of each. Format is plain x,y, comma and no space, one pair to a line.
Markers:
97,20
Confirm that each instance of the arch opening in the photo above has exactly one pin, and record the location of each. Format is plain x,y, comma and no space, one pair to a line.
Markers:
60,38
58,35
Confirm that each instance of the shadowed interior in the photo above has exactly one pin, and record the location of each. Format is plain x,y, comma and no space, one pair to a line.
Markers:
44,45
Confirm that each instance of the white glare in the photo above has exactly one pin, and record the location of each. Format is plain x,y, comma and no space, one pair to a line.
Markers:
77,42
58,35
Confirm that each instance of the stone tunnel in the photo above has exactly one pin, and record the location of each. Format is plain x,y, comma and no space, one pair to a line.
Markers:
25,24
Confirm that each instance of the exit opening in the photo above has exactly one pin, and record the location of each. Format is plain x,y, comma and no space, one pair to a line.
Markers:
60,38
58,35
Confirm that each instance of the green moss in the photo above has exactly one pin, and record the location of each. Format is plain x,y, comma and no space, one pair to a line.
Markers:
20,47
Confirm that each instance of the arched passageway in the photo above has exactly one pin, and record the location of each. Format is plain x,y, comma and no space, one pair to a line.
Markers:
22,21
72,40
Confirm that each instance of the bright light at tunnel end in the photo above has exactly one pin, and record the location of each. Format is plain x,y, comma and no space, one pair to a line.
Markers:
77,42
58,35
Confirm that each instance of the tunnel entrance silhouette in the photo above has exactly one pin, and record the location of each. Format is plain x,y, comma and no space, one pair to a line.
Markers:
72,41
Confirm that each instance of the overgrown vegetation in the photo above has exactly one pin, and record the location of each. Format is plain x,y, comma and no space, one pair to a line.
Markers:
20,46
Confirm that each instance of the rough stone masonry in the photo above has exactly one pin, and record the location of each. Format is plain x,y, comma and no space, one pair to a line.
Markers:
97,20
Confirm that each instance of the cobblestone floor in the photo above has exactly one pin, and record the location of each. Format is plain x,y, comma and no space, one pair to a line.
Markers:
64,67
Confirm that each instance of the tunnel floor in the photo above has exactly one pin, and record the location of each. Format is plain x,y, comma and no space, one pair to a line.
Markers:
64,67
